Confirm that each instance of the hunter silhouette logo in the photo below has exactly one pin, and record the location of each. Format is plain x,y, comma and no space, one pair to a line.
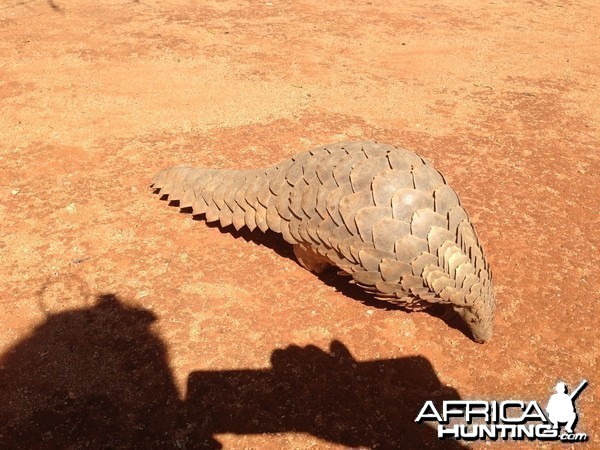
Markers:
507,420
561,406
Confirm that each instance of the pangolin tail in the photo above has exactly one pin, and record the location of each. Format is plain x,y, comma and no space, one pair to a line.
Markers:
227,196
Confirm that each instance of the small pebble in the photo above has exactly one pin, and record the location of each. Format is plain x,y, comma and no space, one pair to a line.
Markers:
15,191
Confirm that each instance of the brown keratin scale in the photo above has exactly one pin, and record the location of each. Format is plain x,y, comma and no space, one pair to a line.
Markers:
380,213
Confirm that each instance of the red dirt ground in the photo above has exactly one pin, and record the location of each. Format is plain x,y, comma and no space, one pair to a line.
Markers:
124,323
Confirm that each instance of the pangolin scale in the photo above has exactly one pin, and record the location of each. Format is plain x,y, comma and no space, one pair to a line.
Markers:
380,213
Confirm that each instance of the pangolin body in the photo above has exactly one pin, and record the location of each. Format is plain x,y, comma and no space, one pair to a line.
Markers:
380,213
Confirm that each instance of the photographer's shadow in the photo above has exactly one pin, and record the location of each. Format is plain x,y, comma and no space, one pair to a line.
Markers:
98,377
93,377
327,394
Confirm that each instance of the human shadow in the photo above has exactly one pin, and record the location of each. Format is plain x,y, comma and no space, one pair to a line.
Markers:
329,395
94,377
98,377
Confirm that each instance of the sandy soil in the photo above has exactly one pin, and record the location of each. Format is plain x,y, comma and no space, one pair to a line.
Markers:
125,323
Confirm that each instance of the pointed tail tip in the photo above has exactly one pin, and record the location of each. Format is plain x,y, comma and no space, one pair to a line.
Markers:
170,174
162,177
158,179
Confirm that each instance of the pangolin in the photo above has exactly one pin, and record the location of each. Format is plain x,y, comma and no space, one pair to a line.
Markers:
380,213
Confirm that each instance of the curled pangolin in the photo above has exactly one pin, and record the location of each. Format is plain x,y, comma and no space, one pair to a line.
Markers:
380,213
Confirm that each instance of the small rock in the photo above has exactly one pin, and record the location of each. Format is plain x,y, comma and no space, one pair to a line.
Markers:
15,191
142,294
70,207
